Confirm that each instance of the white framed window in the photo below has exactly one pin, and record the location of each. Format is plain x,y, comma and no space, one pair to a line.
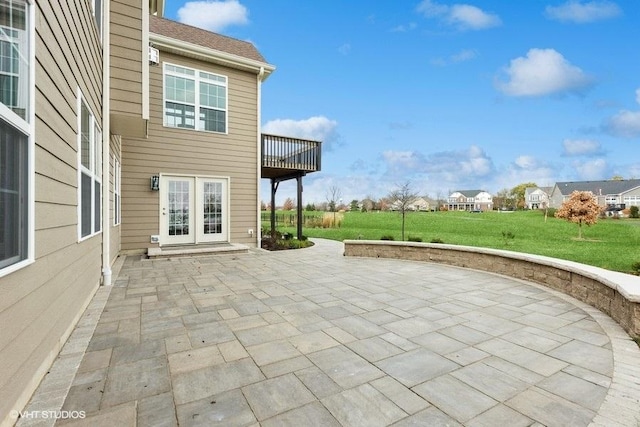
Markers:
89,171
16,135
194,99
116,191
96,9
632,201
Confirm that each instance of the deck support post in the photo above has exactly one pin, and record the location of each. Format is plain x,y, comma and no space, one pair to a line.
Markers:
300,219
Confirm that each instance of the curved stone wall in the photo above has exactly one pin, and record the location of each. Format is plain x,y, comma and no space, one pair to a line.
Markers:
616,294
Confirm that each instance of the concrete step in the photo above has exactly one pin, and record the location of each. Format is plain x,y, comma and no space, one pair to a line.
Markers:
191,250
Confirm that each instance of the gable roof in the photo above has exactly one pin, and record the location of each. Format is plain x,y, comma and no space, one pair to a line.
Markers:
470,193
600,188
531,190
192,41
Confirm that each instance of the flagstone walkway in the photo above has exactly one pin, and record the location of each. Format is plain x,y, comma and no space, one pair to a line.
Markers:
312,338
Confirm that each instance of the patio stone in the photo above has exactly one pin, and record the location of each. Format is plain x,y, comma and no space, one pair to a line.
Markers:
309,415
277,395
548,409
344,367
363,406
229,340
416,366
200,383
225,409
455,397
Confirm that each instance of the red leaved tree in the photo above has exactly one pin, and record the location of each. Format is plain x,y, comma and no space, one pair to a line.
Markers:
581,208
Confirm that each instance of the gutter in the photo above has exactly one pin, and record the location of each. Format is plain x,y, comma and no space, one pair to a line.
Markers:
260,78
106,144
211,55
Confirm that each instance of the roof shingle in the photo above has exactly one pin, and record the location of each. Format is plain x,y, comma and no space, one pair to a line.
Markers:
204,38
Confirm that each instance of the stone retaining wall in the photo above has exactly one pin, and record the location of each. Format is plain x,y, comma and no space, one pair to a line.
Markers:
616,294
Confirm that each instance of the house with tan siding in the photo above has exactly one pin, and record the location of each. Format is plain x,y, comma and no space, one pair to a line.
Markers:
121,132
612,195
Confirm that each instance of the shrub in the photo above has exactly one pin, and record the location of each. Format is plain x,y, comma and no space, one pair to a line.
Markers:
387,237
507,237
633,212
635,268
414,239
550,211
332,219
437,240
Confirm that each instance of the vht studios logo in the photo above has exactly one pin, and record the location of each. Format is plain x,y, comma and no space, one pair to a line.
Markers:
56,415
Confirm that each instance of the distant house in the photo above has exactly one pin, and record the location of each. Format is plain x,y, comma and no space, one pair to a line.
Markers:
419,204
537,197
470,200
612,195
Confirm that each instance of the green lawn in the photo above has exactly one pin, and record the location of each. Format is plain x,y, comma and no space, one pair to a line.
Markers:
611,244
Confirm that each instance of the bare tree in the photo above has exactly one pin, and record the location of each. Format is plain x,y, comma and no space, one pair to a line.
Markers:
402,197
333,197
581,208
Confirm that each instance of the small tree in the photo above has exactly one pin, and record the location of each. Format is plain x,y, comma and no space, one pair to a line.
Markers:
402,198
581,208
288,204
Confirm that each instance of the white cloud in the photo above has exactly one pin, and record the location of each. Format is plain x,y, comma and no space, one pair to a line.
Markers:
542,72
462,56
213,15
583,12
404,28
625,124
317,128
592,170
344,49
462,16
526,168
581,147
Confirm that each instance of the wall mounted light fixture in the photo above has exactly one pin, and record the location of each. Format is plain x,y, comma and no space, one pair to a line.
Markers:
155,183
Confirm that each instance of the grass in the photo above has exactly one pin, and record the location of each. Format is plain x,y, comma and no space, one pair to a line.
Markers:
611,244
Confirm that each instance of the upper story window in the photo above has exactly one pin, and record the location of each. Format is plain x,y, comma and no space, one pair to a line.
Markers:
194,99
90,172
16,135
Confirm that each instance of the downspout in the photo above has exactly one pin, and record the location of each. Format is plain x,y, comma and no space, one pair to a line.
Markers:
106,143
259,126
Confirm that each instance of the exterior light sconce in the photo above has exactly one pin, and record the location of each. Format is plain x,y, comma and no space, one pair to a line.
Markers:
155,183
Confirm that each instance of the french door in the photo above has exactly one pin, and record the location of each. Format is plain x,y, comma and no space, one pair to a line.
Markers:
193,210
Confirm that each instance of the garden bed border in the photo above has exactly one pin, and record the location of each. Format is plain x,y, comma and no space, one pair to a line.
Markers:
614,293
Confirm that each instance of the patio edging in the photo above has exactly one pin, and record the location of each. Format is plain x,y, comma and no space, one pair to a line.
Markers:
616,294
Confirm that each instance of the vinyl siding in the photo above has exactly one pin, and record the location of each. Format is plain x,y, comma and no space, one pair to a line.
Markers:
180,151
126,57
40,304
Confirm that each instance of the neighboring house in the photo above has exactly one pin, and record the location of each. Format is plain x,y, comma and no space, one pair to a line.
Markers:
612,195
419,204
111,146
537,197
470,200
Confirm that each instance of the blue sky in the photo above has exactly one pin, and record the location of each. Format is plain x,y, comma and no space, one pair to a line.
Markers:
476,94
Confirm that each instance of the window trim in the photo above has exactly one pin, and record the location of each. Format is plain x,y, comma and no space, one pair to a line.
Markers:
197,79
95,161
28,128
117,191
98,12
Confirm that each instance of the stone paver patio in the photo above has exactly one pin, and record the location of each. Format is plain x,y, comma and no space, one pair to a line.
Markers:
309,337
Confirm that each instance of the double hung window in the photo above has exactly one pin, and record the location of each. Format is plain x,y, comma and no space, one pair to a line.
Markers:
194,99
116,191
16,133
90,172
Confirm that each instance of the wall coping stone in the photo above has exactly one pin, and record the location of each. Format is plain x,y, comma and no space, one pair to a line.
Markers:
627,285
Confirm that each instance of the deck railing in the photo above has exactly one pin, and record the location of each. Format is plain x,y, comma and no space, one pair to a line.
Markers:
282,152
